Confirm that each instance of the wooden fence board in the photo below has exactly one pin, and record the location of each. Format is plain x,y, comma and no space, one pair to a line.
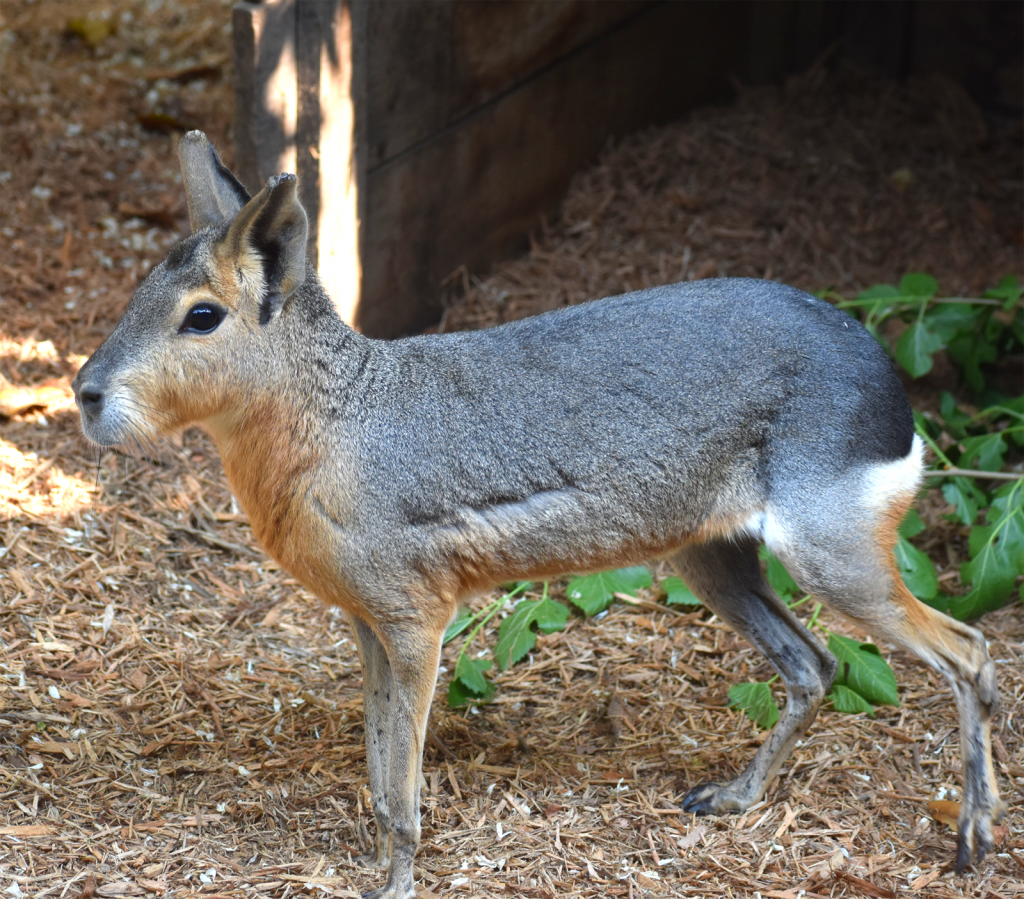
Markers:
431,67
470,194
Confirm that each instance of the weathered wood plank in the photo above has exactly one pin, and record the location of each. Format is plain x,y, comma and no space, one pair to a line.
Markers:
470,194
428,135
430,63
266,101
312,28
342,196
295,112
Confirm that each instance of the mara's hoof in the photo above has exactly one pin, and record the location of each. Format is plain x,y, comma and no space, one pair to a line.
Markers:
975,838
391,892
373,860
713,799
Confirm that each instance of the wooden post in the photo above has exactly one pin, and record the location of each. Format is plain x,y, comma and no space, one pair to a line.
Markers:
339,151
266,103
294,112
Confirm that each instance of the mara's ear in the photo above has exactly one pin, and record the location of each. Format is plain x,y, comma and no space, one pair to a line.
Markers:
270,233
214,195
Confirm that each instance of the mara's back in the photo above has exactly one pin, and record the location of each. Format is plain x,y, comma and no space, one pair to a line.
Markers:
644,390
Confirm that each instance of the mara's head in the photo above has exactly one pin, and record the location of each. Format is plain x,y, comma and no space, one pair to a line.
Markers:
196,330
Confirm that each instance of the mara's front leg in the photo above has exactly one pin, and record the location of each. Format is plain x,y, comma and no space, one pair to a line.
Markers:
378,688
413,654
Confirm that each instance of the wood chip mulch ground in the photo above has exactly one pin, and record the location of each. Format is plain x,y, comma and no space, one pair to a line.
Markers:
179,718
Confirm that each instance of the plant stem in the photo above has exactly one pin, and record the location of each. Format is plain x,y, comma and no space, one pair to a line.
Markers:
814,616
489,612
931,443
969,473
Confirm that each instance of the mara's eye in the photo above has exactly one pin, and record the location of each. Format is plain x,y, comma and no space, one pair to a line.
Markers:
202,318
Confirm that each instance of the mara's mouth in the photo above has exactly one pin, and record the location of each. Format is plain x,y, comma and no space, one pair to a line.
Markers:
118,420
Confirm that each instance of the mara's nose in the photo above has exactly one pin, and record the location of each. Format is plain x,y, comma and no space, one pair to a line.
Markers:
89,396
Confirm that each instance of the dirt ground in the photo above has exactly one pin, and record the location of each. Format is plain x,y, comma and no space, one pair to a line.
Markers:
180,718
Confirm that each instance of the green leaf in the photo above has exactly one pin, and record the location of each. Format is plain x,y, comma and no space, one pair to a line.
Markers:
956,421
1014,408
966,496
915,347
551,616
463,620
879,292
677,593
756,701
1009,503
516,636
976,603
971,351
918,284
593,593
997,554
984,452
917,569
459,695
778,577
471,673
1008,290
849,702
863,670
468,683
877,302
950,320
911,525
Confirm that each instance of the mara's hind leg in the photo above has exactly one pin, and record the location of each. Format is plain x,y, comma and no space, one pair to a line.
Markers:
960,653
726,575
854,570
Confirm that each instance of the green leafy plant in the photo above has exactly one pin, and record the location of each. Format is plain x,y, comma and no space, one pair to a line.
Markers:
516,636
756,700
517,633
863,671
468,683
973,332
594,593
677,593
915,566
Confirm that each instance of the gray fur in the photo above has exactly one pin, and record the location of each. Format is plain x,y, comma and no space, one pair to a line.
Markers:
637,418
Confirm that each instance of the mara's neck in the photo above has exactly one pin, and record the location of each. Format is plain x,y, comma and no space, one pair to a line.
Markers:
269,452
282,426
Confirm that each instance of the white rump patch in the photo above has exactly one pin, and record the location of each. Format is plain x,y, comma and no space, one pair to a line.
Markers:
888,482
754,526
766,527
